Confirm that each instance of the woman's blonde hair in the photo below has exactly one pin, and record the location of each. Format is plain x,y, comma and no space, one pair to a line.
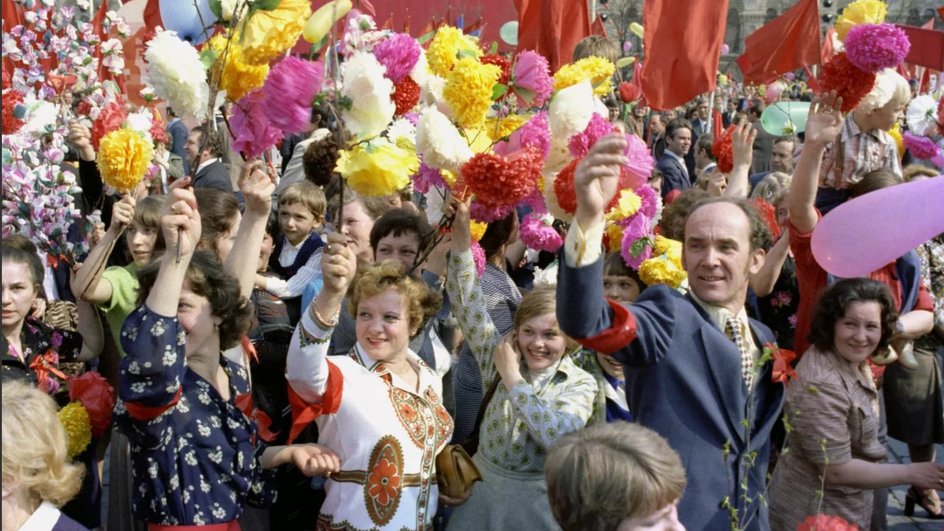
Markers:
607,473
537,302
423,303
771,185
34,447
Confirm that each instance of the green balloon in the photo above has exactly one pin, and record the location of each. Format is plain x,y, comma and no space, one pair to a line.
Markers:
785,117
509,32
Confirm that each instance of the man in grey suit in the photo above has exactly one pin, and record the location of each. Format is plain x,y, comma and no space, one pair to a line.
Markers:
695,364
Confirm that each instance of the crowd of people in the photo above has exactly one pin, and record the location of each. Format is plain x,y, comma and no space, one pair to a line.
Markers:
285,351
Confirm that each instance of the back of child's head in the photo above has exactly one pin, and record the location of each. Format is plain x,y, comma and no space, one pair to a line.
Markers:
306,194
596,46
607,473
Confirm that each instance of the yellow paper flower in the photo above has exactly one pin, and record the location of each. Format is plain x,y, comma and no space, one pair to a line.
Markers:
468,91
860,12
447,46
378,168
503,127
123,158
669,246
614,236
268,33
662,270
448,176
627,205
237,77
597,70
75,420
895,133
479,140
478,229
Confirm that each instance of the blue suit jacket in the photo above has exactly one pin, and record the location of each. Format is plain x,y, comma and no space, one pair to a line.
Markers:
673,174
178,134
683,380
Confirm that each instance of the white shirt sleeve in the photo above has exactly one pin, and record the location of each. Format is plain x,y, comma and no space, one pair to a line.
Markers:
293,287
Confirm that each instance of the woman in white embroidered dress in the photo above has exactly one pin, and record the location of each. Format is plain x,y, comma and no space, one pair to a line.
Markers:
543,395
379,407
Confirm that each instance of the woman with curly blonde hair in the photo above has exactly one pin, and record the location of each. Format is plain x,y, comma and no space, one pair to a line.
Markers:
37,477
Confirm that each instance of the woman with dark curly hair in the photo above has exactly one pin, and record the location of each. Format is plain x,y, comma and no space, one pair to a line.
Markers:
196,457
834,457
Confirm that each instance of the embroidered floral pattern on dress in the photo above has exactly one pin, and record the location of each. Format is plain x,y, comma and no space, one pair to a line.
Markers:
382,490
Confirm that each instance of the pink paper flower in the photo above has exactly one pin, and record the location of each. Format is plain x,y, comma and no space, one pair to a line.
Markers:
536,233
399,54
427,177
251,127
636,172
531,77
581,143
488,214
636,246
921,147
535,132
289,91
478,256
875,47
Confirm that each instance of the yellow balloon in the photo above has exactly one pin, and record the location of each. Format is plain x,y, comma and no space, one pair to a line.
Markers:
320,22
636,29
722,79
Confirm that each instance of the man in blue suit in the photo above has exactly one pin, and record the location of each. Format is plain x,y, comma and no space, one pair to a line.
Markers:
178,134
678,141
695,369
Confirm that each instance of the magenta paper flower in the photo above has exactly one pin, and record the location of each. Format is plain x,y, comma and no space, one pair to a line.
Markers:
636,246
487,214
531,77
535,132
478,256
427,177
399,53
640,163
538,233
289,90
920,146
875,47
253,131
580,143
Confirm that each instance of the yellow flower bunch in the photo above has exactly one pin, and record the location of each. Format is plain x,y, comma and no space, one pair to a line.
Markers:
447,46
468,91
503,127
662,270
448,176
378,168
627,205
895,133
237,77
614,237
597,70
860,12
669,246
123,158
269,32
75,420
478,229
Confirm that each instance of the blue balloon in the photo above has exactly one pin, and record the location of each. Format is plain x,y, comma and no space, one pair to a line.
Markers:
184,18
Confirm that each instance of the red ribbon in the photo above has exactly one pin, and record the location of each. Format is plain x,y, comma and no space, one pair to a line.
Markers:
783,369
45,364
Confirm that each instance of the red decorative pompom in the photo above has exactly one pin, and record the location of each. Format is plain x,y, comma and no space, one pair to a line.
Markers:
722,150
564,188
822,522
110,119
496,180
11,124
848,81
98,398
406,95
83,108
769,214
158,129
628,92
7,79
501,62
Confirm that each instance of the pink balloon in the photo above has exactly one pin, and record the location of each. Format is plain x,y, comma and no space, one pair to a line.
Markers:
725,48
790,76
866,233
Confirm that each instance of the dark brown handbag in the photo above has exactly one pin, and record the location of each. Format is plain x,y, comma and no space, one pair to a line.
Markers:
455,470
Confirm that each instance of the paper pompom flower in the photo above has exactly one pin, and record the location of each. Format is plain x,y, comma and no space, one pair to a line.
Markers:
267,33
406,95
627,204
597,70
635,174
860,12
921,147
895,133
378,168
439,142
177,75
427,177
920,115
537,232
446,47
723,151
96,396
874,47
570,111
123,158
75,420
636,248
158,127
11,122
236,76
662,269
580,144
363,83
252,130
399,54
848,81
289,92
502,63
565,192
109,118
504,126
531,77
478,257
487,214
468,91
477,229
496,180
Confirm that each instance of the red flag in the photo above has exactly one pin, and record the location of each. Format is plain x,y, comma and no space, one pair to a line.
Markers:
683,49
552,28
597,28
784,44
927,47
827,51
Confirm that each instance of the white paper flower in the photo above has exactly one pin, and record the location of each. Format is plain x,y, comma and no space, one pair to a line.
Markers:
141,122
177,75
435,205
439,142
41,116
402,129
568,114
920,115
887,83
364,84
